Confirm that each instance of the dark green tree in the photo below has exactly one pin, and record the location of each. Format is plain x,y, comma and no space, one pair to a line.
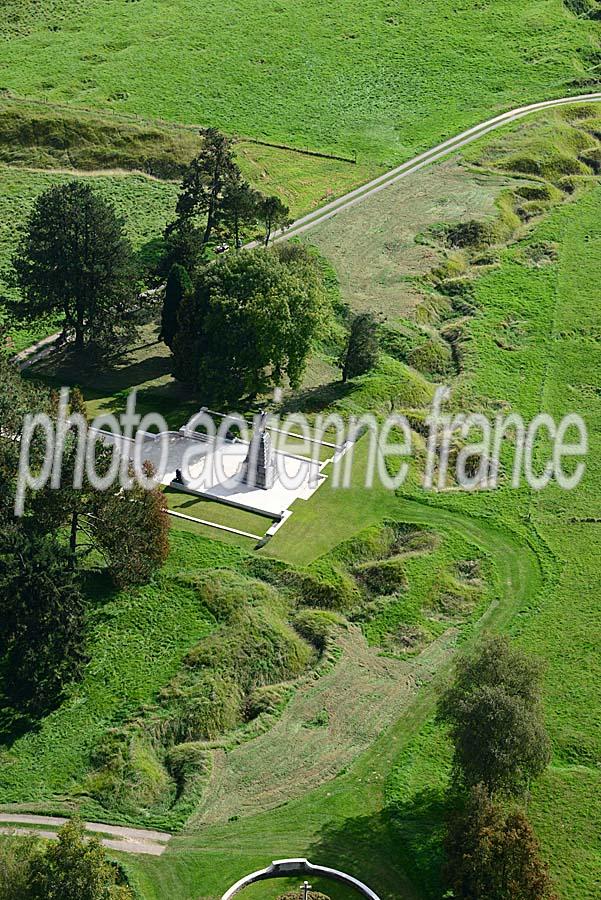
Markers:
183,246
362,349
250,323
493,853
41,621
75,260
76,868
131,530
18,397
204,183
494,713
240,207
178,286
274,214
127,526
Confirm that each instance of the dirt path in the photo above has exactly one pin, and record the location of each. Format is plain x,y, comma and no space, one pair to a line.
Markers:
125,840
452,145
95,173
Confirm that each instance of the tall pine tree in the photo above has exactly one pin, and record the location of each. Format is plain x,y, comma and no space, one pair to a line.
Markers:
76,261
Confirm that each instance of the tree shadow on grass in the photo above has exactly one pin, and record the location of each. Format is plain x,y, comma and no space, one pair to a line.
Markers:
71,369
397,852
317,399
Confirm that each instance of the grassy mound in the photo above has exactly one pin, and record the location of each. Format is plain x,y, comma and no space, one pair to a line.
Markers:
56,138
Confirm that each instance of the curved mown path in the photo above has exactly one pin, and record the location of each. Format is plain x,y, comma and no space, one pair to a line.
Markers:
344,821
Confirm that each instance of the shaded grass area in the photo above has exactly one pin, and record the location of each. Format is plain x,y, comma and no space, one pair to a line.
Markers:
368,78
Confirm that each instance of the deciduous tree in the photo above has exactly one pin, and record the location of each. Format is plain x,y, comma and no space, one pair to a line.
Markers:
493,853
128,526
76,868
494,712
249,324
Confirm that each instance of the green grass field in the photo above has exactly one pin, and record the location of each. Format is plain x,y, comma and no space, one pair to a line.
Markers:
378,813
385,824
381,80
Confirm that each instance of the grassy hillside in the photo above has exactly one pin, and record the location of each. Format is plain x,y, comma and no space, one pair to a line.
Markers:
378,78
530,326
385,824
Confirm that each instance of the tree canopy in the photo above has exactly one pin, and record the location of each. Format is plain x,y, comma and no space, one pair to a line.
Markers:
75,261
75,868
362,349
215,200
493,853
177,287
41,622
494,712
249,324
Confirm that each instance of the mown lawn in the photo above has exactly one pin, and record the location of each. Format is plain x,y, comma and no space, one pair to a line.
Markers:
379,79
382,818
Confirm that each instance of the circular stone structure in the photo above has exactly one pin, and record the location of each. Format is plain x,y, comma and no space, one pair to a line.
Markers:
284,868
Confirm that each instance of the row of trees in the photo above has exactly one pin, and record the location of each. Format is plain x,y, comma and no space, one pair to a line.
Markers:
46,556
493,710
216,200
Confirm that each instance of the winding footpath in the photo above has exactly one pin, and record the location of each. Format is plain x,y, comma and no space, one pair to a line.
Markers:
520,577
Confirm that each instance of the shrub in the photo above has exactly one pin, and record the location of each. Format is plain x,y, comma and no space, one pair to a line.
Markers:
534,192
74,868
471,235
187,764
266,699
328,586
226,593
16,855
128,773
259,649
199,705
